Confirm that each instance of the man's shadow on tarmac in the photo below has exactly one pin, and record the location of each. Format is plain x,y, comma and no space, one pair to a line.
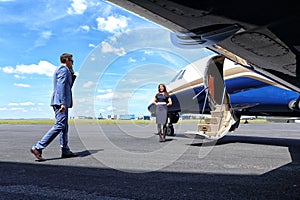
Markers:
80,154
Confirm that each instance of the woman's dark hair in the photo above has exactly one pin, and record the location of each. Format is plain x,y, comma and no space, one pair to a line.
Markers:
164,91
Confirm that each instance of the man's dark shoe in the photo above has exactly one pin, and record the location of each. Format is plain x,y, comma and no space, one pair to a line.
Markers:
68,154
37,153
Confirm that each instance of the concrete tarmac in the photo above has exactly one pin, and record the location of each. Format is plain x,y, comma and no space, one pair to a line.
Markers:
258,161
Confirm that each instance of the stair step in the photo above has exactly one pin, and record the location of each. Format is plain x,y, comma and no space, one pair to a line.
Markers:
219,114
213,120
222,107
208,127
211,133
218,123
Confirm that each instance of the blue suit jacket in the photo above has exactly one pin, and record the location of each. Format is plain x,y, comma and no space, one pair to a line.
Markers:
62,91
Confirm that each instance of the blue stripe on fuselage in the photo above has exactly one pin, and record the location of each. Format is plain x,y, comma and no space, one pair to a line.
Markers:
255,96
248,90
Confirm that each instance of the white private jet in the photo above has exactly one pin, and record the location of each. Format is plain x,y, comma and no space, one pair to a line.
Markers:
256,70
227,91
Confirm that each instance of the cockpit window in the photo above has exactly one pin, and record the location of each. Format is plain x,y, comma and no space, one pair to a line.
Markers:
175,78
179,75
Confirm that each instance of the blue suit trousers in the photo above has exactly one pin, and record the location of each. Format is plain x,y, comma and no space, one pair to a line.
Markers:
61,127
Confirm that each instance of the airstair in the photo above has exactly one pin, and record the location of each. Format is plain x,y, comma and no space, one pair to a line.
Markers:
222,115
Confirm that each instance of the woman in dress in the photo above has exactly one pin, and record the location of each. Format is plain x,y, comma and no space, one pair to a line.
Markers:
162,100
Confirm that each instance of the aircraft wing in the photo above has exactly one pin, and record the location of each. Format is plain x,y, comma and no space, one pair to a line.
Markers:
260,35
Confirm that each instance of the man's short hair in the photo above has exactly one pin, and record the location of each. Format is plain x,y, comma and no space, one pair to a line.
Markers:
65,56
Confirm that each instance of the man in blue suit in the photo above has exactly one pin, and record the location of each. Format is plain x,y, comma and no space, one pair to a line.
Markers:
61,100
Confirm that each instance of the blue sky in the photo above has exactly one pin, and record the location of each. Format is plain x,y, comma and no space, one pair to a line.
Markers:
119,58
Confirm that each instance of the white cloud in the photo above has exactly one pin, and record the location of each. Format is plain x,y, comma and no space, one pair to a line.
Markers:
42,40
36,109
122,95
85,28
134,80
101,110
149,52
28,103
102,91
18,76
116,96
131,60
8,69
131,80
22,85
77,7
88,84
19,109
42,68
13,109
107,48
92,45
112,24
110,108
82,100
106,96
46,34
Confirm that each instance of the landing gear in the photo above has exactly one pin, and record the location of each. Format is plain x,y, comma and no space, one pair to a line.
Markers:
170,129
172,118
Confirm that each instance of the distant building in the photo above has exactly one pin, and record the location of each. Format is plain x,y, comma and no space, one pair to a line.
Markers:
100,116
192,116
127,117
85,117
147,118
112,117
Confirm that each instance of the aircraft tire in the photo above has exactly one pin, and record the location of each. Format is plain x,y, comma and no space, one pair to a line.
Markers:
170,130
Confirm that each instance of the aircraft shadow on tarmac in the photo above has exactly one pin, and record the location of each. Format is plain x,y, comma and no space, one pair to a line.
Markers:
42,181
292,144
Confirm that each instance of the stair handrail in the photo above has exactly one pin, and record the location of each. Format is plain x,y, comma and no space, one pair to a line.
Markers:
222,102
